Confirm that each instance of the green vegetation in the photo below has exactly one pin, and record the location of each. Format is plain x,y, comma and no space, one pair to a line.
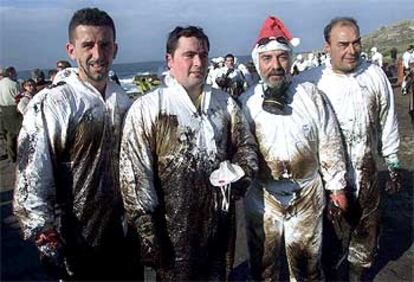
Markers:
398,35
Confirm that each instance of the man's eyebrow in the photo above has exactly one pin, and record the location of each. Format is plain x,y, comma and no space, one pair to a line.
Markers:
347,42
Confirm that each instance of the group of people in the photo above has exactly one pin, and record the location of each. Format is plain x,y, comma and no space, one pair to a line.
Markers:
225,75
95,171
14,98
301,63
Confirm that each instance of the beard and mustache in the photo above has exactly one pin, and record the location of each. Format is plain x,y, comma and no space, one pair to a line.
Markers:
275,93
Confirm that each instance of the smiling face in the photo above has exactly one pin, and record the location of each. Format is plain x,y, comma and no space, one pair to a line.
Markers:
344,47
93,48
189,62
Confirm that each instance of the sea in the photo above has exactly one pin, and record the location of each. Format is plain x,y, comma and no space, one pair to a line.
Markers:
127,71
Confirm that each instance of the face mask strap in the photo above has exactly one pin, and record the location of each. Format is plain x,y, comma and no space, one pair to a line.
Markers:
225,192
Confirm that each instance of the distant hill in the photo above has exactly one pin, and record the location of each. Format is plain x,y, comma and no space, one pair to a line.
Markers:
398,35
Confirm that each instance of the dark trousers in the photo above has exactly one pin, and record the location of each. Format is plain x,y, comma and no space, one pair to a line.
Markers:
10,123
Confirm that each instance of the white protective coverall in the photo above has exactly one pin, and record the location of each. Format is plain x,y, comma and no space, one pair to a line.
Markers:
169,149
376,58
234,79
67,175
363,102
298,153
407,59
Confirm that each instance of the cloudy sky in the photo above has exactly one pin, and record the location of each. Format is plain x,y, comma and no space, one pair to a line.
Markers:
33,33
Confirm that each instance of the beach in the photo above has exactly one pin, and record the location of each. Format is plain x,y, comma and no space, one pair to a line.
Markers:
394,261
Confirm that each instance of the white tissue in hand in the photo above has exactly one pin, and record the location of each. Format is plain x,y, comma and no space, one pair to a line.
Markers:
227,173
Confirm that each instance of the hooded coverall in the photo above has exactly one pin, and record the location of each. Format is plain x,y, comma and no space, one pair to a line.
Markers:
300,154
168,151
363,102
67,176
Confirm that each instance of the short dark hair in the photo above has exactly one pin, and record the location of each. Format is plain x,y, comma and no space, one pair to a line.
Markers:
343,21
188,31
37,74
52,72
90,16
9,71
229,55
64,64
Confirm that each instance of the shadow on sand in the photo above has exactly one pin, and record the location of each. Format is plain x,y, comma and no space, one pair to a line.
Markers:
397,224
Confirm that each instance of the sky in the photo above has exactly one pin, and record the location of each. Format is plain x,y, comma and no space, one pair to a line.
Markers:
33,33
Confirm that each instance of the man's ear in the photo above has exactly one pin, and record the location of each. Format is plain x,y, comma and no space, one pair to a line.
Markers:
70,50
327,47
168,59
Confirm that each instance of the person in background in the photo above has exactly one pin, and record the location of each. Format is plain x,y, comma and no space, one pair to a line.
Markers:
408,69
312,61
231,79
39,78
10,119
298,65
214,71
29,90
363,101
394,55
62,64
173,139
67,198
376,57
300,155
113,77
51,75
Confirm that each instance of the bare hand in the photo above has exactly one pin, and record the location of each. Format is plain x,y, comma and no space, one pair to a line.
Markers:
339,199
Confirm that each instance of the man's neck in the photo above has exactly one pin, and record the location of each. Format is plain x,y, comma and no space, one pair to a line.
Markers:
101,87
194,93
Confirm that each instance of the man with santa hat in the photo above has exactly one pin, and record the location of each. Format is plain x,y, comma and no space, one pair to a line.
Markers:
301,154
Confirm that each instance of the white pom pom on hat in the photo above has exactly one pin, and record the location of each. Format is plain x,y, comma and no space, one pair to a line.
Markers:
295,41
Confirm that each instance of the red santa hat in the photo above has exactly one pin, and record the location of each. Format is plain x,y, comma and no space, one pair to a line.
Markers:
279,38
273,28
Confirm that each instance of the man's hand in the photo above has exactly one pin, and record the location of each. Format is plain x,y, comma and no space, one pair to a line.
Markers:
50,248
155,251
393,185
338,198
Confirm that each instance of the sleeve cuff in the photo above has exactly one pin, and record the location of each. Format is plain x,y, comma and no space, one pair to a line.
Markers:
392,161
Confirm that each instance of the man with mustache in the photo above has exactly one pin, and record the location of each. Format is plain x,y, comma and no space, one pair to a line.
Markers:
363,101
300,155
67,196
173,139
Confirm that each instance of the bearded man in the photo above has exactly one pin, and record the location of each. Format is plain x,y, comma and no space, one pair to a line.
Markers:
300,155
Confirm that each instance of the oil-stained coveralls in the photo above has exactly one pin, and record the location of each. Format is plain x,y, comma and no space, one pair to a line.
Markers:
363,102
169,149
300,154
68,175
